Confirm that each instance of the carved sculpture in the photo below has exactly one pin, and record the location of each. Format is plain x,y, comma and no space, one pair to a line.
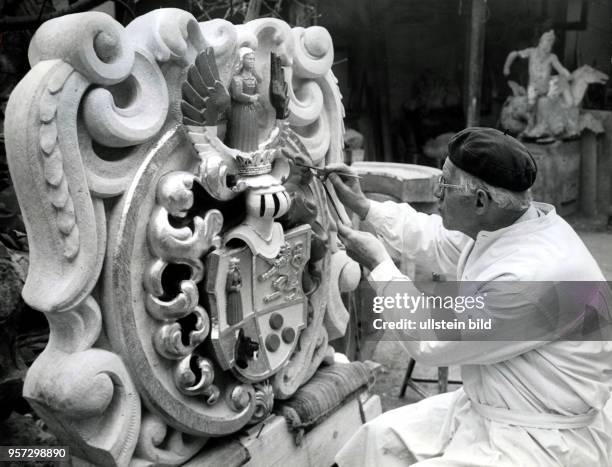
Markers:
245,95
550,107
182,297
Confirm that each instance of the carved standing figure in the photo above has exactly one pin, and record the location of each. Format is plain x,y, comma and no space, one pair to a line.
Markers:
541,63
233,285
245,96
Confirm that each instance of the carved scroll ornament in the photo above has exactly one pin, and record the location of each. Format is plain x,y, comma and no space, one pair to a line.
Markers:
145,228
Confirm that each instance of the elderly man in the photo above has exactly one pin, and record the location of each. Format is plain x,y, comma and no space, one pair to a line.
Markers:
536,402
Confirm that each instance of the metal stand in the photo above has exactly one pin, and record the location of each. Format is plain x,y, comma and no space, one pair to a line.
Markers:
442,381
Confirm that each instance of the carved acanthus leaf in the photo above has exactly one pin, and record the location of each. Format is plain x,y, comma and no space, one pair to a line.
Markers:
264,401
194,375
177,308
168,339
175,197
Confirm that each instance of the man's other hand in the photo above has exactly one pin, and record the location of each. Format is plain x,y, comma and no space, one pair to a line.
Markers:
363,247
348,189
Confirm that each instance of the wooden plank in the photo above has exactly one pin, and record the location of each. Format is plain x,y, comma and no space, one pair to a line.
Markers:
476,38
377,14
230,454
275,444
271,443
604,163
588,174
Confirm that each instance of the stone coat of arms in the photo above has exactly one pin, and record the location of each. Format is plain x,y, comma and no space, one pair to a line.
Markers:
185,260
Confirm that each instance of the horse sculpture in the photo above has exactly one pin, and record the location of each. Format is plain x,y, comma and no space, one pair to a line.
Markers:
558,114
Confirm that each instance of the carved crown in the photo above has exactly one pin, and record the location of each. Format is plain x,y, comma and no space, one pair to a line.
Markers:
255,163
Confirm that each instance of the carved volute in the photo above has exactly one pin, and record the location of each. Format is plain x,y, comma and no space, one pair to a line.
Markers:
187,283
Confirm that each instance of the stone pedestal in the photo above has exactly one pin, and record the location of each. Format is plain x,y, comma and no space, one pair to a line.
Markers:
558,179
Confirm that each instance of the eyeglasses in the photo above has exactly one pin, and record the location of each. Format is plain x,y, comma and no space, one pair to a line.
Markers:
441,185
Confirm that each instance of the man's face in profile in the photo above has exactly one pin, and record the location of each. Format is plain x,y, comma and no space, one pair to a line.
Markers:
455,204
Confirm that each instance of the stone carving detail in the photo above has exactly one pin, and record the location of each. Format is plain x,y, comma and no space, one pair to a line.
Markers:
135,203
550,106
264,402
52,164
84,393
160,444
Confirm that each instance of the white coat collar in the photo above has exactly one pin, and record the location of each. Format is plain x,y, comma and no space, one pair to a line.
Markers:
528,223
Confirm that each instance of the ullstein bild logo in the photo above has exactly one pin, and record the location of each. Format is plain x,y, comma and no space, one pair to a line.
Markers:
431,324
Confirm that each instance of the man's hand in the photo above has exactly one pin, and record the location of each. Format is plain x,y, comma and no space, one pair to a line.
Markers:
363,247
348,189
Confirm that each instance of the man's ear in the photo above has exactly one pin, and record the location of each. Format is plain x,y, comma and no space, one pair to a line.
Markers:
482,201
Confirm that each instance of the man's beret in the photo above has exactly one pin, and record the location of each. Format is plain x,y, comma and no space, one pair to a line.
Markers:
494,157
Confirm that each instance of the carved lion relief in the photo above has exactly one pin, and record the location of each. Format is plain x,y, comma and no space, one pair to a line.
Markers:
186,260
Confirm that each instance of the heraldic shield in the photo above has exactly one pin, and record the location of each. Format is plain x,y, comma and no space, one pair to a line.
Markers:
255,324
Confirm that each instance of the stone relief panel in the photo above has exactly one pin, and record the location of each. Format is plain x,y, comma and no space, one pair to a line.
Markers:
183,252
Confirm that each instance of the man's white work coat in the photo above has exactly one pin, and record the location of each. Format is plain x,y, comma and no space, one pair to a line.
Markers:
527,403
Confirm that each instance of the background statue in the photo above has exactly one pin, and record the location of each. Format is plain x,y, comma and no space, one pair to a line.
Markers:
243,132
541,63
550,107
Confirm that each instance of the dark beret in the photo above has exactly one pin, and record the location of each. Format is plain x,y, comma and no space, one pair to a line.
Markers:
494,157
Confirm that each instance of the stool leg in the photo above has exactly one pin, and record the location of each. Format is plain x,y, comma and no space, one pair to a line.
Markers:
442,379
407,377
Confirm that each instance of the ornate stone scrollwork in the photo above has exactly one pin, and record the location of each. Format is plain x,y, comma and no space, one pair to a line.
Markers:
169,340
264,402
85,393
160,444
186,282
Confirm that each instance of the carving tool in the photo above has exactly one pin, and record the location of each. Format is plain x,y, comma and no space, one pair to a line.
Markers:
322,174
325,173
333,200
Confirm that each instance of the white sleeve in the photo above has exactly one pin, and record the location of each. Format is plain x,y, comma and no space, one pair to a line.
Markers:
418,237
384,273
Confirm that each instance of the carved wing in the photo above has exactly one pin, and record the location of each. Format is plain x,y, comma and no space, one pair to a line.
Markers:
204,95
